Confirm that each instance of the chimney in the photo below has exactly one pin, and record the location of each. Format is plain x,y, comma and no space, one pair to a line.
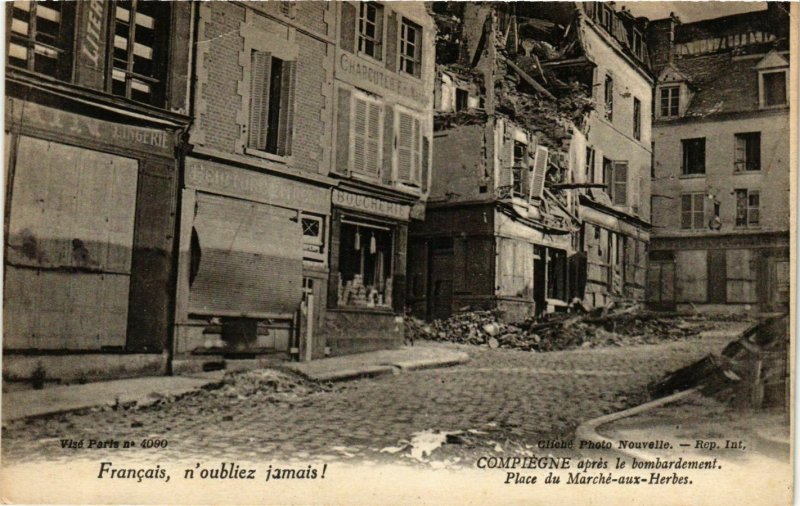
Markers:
661,40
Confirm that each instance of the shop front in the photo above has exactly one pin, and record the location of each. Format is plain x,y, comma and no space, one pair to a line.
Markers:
90,206
367,283
252,261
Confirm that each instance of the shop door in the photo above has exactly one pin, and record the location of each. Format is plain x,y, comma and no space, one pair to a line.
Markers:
68,255
661,285
717,277
441,285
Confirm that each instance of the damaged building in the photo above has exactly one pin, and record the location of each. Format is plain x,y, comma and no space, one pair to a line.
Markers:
721,172
539,196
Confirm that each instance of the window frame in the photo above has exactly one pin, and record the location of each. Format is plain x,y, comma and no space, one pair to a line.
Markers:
748,209
285,115
588,164
318,241
742,166
348,221
762,90
62,46
608,98
404,59
519,170
685,169
637,119
379,39
693,212
160,54
670,107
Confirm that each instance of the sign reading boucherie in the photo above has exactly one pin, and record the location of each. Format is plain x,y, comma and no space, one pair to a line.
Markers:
371,205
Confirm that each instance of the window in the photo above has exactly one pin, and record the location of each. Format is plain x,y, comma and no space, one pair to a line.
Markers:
370,30
40,37
637,44
271,103
313,237
693,211
409,148
747,155
365,265
519,170
410,48
619,192
670,100
609,97
607,17
138,69
773,88
589,165
556,273
637,119
694,156
462,99
747,208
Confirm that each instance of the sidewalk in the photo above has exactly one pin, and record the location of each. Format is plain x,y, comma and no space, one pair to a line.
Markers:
62,399
378,363
142,391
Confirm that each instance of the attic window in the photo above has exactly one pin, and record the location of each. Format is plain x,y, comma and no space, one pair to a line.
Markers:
773,88
670,101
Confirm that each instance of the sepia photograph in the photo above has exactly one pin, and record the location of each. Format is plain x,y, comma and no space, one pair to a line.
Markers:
399,252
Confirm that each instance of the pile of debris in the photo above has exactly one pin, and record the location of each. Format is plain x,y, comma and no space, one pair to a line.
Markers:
564,331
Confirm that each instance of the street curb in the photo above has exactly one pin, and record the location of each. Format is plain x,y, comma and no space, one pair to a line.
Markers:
121,400
587,431
417,365
347,374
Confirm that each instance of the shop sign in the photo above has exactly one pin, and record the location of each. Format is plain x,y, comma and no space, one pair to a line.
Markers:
242,183
365,74
371,205
104,131
91,43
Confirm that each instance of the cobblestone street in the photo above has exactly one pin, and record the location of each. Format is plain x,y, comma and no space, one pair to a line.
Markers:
506,398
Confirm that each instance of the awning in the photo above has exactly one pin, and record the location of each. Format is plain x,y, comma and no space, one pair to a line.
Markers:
251,259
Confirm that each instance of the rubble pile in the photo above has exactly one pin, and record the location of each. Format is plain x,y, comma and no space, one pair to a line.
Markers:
563,331
266,385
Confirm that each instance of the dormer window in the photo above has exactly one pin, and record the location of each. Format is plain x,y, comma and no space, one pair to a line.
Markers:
772,86
670,101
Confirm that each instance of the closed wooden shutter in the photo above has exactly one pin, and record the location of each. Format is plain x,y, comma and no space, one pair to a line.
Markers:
416,140
343,132
426,149
348,27
68,257
373,139
261,63
252,259
286,121
359,139
391,41
620,182
388,144
539,171
404,148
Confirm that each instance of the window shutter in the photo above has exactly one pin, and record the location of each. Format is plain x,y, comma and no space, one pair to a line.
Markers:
391,41
360,136
374,128
426,148
286,121
539,171
388,144
261,63
416,139
347,36
343,132
635,192
620,181
405,155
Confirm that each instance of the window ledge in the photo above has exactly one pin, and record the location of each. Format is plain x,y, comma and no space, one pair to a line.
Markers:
354,309
691,176
776,106
268,156
746,172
